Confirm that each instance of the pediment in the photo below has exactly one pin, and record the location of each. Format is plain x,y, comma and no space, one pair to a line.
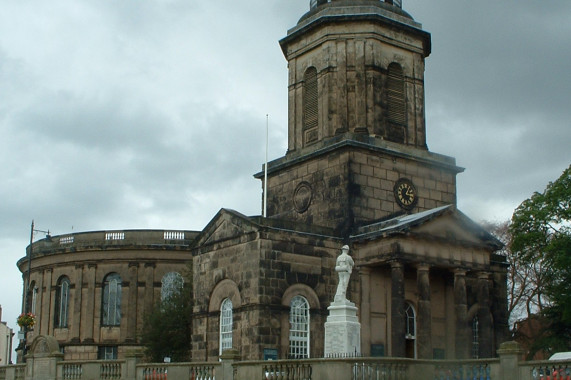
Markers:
226,224
451,228
444,224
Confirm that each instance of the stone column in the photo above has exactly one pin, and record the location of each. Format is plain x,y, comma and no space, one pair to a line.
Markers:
484,316
424,320
462,341
90,304
365,275
132,305
398,326
500,307
77,297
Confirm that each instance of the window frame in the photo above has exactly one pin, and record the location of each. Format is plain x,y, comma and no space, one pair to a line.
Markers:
226,325
475,338
61,315
299,331
107,353
111,303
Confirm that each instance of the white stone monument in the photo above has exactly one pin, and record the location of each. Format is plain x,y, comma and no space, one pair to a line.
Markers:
342,329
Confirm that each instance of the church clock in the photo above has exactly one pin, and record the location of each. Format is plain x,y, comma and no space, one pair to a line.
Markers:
405,194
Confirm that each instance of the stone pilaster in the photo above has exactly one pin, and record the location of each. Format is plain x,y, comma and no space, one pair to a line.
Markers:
77,299
46,303
462,342
90,303
398,327
424,319
484,316
365,274
132,305
149,286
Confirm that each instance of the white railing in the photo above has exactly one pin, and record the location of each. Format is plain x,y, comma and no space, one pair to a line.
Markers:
115,236
174,235
66,239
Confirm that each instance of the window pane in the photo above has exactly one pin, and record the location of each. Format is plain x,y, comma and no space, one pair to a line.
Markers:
299,328
111,304
62,302
226,320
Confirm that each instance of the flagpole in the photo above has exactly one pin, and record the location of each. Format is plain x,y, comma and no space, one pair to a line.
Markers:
266,171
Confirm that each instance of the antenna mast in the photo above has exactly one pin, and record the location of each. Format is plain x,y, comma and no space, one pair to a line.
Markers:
266,170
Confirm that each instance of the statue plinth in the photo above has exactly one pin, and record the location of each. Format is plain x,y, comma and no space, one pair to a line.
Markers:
342,330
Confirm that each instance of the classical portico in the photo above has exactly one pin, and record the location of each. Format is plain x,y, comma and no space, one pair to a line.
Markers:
416,275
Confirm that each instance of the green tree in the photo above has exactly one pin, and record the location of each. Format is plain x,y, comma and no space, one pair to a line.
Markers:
541,232
167,328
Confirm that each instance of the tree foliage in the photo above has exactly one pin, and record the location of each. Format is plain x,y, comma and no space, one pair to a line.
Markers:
541,233
167,328
525,279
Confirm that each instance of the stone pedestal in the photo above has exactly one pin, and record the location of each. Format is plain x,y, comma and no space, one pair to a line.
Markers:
342,330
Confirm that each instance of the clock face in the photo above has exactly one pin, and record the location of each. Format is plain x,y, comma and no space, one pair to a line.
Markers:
405,194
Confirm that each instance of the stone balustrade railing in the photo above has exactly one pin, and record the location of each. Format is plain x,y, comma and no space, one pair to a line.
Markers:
508,366
95,240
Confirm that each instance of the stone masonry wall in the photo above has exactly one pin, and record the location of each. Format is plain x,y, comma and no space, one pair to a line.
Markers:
354,186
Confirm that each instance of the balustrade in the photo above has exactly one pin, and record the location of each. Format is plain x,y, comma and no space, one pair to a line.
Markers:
379,371
287,371
72,371
155,373
551,371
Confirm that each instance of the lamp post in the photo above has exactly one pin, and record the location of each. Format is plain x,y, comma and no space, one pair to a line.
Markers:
28,281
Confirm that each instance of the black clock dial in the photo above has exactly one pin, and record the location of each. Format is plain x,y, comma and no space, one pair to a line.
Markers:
405,193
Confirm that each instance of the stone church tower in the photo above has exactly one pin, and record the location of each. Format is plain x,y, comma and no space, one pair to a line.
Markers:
357,172
356,126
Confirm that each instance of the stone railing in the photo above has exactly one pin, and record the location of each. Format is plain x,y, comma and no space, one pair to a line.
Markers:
194,371
543,370
508,366
72,370
13,372
95,240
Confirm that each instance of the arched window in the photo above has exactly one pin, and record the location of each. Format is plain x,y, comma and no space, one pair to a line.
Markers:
31,298
410,331
299,328
310,105
475,338
62,302
172,283
111,300
226,325
396,94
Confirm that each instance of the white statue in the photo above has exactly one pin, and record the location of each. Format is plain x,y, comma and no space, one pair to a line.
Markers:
343,267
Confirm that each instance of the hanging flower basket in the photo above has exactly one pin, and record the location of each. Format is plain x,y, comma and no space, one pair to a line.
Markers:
26,320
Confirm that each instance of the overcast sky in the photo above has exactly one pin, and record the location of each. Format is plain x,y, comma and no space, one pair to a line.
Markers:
120,114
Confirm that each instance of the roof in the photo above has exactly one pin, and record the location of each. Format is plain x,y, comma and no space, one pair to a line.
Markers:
407,223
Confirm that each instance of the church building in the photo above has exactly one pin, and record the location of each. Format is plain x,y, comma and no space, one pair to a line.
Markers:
357,172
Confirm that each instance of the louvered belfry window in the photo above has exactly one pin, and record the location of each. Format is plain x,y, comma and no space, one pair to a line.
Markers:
310,119
396,96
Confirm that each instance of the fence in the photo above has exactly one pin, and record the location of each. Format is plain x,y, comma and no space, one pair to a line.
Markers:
507,366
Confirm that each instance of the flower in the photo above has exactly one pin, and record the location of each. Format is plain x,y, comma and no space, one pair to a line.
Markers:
26,320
